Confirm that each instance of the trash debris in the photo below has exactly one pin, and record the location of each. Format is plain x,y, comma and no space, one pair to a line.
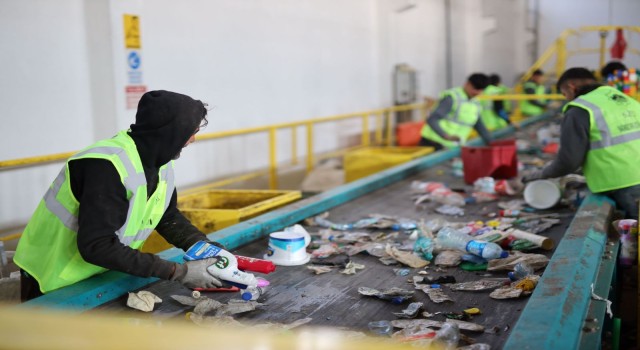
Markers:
448,258
628,230
401,272
415,335
325,250
514,204
383,328
523,287
520,271
467,326
202,304
607,301
237,307
536,261
438,280
340,260
409,259
448,335
453,239
319,269
411,311
476,346
450,210
479,285
436,295
472,311
352,268
469,266
143,301
424,243
395,295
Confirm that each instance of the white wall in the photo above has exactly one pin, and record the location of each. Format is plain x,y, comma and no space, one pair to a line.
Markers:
556,16
257,62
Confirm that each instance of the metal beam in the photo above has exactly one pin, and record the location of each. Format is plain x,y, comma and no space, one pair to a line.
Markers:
556,311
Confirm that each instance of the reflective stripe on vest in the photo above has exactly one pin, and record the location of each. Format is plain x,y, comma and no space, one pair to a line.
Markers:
605,134
131,183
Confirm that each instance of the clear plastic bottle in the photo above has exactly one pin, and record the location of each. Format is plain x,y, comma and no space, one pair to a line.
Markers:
448,335
451,238
252,293
380,327
520,271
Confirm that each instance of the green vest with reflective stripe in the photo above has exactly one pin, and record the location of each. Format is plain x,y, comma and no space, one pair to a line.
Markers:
614,135
48,248
526,107
504,90
459,122
490,118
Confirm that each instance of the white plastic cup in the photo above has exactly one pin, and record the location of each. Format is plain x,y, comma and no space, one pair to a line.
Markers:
542,194
288,248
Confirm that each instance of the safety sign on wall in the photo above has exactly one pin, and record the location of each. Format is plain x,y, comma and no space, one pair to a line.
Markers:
135,87
133,94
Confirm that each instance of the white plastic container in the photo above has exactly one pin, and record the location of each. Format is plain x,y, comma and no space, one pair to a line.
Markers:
542,194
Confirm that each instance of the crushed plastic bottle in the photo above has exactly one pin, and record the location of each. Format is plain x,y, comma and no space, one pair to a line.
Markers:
448,197
453,239
448,335
426,187
485,184
424,247
520,271
380,327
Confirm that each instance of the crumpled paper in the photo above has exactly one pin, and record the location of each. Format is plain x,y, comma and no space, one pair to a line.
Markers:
143,301
408,258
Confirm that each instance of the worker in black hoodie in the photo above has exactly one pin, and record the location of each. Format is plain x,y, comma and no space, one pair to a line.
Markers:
109,197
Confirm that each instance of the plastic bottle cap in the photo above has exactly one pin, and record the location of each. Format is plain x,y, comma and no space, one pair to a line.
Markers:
504,254
246,296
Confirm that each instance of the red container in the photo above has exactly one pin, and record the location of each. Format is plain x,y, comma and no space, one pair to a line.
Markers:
499,160
255,265
408,134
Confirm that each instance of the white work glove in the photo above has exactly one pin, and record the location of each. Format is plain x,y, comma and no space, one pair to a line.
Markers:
194,274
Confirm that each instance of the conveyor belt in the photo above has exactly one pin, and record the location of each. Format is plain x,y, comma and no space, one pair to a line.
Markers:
332,300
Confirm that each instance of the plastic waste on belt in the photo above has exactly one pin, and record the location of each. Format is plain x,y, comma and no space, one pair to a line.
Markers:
628,230
395,295
453,239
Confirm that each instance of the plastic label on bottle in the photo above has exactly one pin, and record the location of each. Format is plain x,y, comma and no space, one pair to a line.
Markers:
201,250
475,247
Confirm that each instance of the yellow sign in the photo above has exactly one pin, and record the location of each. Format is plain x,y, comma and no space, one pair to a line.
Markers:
132,32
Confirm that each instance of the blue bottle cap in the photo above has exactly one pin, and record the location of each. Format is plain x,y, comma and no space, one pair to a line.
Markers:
504,254
246,296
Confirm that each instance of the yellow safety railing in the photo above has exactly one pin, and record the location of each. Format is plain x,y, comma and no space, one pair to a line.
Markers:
559,49
381,116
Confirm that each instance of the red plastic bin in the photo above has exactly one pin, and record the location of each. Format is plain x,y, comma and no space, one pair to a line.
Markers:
408,134
499,160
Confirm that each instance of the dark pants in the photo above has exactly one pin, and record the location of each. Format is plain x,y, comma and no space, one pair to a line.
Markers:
626,199
429,143
29,287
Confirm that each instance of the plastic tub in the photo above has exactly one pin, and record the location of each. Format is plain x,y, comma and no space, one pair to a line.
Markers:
499,160
542,194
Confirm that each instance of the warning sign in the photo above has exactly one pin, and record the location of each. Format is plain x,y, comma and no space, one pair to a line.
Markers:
132,32
133,95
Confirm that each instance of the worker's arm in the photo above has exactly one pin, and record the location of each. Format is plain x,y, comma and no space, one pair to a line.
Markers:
177,229
532,91
574,144
482,131
103,210
442,110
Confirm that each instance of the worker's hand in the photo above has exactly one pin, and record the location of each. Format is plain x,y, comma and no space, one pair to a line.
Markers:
452,138
194,274
532,176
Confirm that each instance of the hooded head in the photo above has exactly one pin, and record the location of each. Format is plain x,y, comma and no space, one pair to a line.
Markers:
165,121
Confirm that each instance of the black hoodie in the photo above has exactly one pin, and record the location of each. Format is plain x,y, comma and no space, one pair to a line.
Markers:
165,121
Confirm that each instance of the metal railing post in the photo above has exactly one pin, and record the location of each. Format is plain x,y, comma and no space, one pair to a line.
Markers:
294,145
273,170
309,147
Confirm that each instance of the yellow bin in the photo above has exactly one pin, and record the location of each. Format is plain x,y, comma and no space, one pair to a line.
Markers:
366,161
213,210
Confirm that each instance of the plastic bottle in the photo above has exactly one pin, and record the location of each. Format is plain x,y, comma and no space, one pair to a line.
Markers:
628,230
426,187
380,327
446,196
520,271
453,239
507,213
253,293
485,184
448,335
226,266
256,265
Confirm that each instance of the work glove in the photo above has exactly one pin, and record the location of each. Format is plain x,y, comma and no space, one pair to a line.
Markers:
194,274
532,176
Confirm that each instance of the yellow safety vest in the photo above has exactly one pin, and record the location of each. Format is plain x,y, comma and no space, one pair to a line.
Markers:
526,107
48,248
614,135
459,122
490,118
